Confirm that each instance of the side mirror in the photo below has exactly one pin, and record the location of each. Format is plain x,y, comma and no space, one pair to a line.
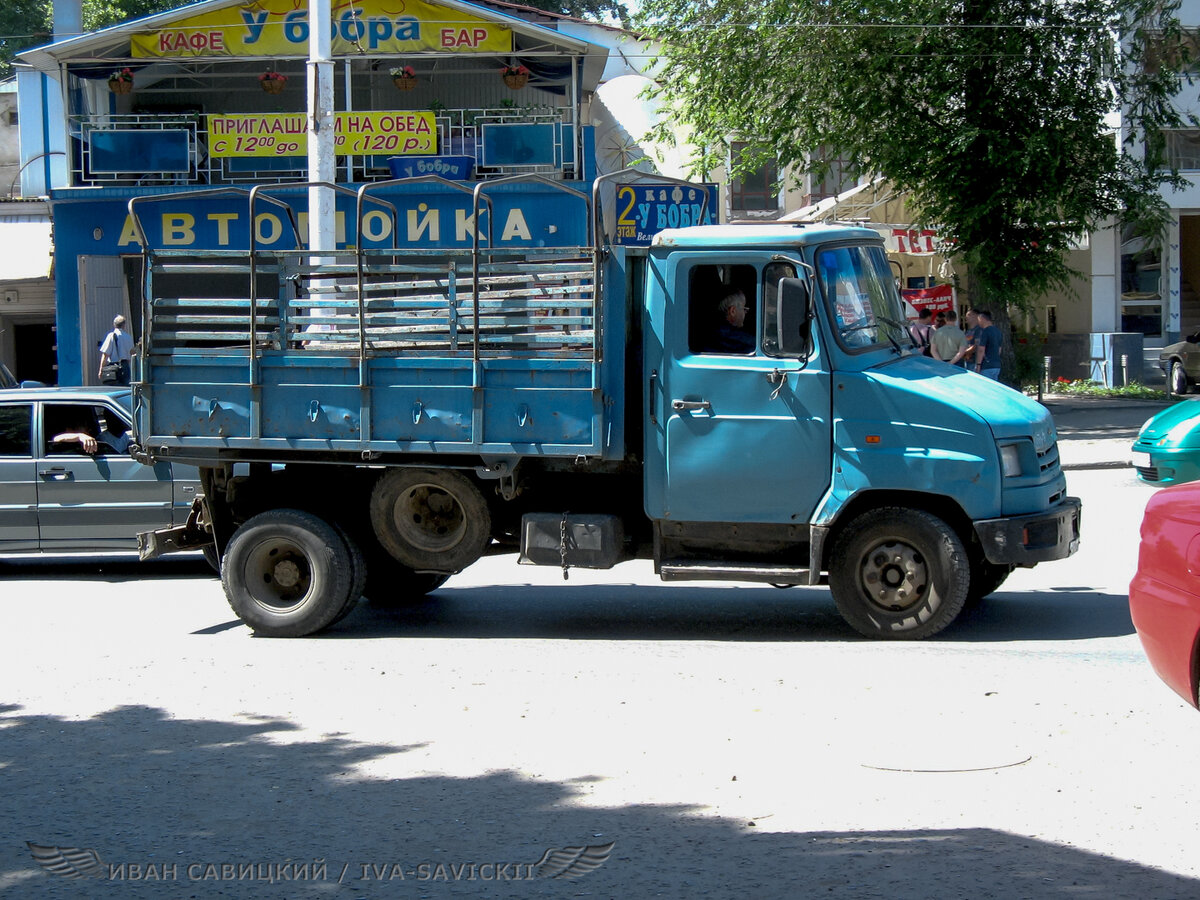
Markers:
794,315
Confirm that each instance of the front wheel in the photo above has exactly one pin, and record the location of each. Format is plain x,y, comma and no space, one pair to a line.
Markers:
986,579
286,573
898,574
1178,378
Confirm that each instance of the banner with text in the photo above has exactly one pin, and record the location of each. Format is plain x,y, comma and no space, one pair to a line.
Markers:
280,28
397,133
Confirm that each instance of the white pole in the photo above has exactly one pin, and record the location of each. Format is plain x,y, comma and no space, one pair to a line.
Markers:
322,234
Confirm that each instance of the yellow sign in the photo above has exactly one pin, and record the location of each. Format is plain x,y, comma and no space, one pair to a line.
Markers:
355,134
280,28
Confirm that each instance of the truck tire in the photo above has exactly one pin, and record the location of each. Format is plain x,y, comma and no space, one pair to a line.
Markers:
358,574
898,574
986,579
391,583
212,558
286,573
430,518
1178,379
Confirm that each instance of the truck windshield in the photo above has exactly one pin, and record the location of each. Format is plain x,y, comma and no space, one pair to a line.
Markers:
858,287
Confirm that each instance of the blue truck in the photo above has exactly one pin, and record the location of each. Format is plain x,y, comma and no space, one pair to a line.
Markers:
375,418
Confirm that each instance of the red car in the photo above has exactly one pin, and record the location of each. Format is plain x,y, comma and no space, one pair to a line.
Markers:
1164,596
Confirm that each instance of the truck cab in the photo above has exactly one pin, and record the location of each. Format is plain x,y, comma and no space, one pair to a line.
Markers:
825,444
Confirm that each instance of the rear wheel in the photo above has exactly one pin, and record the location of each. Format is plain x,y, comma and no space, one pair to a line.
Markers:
898,574
1178,378
391,583
358,574
430,518
286,573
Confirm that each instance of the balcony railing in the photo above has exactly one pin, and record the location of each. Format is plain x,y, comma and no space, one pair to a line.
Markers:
172,149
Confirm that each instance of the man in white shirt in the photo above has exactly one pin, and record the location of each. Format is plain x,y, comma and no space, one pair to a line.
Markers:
118,349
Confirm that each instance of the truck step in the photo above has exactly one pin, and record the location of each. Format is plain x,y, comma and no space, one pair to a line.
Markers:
678,570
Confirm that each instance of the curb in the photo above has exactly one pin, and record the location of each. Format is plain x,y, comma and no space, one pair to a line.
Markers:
1111,464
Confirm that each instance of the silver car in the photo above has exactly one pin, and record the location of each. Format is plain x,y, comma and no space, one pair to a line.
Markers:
1180,362
61,492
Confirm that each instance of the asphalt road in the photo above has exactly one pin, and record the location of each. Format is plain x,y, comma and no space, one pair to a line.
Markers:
727,741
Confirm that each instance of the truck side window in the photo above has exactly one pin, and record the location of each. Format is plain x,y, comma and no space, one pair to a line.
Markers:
772,275
711,329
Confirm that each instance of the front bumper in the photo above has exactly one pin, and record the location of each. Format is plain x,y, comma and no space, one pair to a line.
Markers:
1026,540
1165,466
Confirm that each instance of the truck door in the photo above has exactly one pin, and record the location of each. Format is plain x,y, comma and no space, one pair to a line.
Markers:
725,443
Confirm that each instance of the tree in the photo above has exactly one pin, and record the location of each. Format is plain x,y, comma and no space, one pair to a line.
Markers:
28,23
597,10
993,115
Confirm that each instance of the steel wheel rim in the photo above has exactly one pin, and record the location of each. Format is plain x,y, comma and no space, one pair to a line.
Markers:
894,576
278,575
1178,379
430,518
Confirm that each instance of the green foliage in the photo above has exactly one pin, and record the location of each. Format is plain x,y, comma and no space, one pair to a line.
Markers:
990,114
28,23
596,10
23,23
1028,358
1081,388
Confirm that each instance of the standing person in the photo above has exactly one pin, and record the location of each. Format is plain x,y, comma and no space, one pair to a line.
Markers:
922,331
987,350
949,342
117,350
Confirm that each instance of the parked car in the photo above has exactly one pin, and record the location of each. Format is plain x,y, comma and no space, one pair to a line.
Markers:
1167,449
1180,362
1164,596
57,497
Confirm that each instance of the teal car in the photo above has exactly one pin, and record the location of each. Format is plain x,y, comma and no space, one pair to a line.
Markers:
1167,449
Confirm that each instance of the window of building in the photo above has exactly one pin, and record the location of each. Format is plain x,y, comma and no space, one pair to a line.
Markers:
754,191
1180,52
1183,149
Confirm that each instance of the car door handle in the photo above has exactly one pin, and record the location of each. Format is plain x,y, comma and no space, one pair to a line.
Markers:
682,405
59,473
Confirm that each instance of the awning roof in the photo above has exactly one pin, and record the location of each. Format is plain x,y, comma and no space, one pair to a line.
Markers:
861,203
113,43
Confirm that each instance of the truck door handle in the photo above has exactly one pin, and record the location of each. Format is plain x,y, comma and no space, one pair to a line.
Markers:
58,473
682,405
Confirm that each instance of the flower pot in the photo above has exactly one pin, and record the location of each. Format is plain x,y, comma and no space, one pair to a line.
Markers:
405,82
516,82
273,85
120,86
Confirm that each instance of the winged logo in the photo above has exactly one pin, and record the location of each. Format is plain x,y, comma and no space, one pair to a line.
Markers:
68,862
572,862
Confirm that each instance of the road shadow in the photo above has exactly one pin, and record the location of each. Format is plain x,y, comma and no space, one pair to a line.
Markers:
692,613
116,569
208,808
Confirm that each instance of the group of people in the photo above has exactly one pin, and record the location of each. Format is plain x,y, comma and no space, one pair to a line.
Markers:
976,349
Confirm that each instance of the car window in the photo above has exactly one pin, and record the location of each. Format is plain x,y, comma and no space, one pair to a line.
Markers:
66,421
16,430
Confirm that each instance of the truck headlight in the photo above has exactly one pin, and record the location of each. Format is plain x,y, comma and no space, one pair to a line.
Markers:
1010,460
